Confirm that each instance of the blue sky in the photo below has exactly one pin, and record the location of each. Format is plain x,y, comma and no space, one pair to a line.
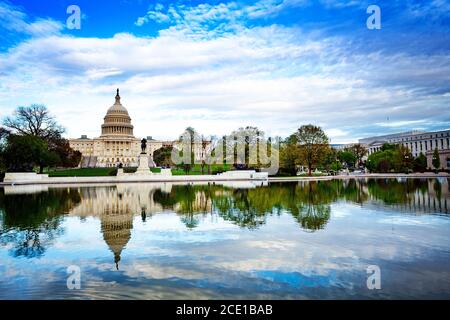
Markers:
219,65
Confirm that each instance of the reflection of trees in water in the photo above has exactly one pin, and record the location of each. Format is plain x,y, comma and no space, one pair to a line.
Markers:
187,201
308,202
32,221
310,205
392,191
415,195
313,217
249,207
237,206
29,222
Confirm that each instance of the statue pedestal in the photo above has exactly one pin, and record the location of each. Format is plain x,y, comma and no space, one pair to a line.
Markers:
143,167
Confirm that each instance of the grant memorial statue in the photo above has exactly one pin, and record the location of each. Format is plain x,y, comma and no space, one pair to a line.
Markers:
143,145
143,167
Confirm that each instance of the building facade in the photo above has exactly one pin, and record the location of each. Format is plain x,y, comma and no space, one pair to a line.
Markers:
417,142
117,143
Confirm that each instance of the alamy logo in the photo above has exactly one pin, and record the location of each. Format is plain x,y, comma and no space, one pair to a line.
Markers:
374,20
374,280
74,279
74,20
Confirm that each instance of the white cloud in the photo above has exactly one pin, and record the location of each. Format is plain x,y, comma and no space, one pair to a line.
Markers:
13,19
206,20
274,77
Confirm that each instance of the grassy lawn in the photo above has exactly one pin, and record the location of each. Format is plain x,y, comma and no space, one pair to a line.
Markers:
102,172
197,169
83,172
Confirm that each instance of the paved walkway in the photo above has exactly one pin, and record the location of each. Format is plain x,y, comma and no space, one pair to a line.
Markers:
359,176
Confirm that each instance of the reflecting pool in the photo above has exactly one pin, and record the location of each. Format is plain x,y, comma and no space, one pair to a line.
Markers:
297,240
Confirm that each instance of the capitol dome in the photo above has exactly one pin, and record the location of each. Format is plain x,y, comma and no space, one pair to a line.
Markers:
117,121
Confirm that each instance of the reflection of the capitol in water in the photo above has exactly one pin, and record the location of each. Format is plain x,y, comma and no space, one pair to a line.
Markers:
117,205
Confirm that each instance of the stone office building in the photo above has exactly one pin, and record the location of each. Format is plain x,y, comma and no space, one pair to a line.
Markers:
417,142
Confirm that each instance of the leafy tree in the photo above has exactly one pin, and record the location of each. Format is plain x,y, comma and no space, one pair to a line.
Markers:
420,163
330,160
359,151
68,157
289,155
36,120
436,161
381,161
388,146
23,152
163,157
391,158
347,157
313,144
403,159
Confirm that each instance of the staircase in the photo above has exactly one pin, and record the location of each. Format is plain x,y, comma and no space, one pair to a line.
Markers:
88,162
92,162
84,162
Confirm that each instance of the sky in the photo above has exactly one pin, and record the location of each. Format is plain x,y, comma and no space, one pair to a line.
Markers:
221,65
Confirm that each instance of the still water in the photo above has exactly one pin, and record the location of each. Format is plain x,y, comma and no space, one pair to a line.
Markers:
296,240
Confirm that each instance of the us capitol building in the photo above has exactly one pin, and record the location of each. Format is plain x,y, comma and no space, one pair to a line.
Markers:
117,143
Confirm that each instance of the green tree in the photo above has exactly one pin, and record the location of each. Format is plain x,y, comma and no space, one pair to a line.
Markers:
23,152
313,145
67,157
436,161
36,120
163,157
289,156
388,146
403,159
381,161
391,158
420,163
347,157
330,160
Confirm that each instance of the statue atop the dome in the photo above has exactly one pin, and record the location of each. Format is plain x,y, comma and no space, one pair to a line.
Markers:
143,145
117,97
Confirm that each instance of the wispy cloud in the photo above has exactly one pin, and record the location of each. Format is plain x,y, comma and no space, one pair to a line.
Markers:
14,19
210,68
213,20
